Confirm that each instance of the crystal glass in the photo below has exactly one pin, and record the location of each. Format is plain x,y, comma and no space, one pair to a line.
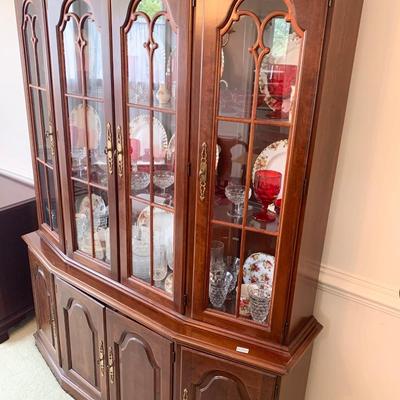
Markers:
160,268
267,185
141,252
217,256
218,287
260,301
235,193
140,180
163,179
78,166
233,264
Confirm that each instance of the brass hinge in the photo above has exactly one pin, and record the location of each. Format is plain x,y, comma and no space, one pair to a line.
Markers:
193,3
173,357
185,299
110,366
101,359
109,149
120,152
330,3
286,329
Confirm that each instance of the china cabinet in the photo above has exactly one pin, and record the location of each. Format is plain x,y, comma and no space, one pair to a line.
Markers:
184,154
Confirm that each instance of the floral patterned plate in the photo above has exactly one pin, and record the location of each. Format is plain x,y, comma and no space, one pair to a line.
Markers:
259,267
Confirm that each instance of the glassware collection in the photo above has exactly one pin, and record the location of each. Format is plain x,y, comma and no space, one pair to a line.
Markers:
244,230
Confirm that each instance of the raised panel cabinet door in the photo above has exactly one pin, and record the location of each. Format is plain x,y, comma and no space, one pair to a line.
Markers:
141,361
33,36
151,58
80,48
45,307
205,377
82,339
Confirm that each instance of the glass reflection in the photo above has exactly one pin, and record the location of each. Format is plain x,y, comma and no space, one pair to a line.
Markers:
278,71
164,87
53,200
141,260
77,131
72,61
237,69
37,123
43,194
93,59
138,62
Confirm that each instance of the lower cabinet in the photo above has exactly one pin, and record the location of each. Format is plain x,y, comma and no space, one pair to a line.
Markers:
82,340
142,360
45,308
205,377
106,356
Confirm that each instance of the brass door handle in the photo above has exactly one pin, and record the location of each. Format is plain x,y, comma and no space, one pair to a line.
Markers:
101,359
50,136
120,152
185,394
110,366
109,149
203,171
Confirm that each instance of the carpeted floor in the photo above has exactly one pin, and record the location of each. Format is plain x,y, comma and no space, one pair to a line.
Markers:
24,374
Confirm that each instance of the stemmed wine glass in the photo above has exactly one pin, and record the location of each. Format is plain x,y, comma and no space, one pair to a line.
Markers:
267,185
235,193
163,179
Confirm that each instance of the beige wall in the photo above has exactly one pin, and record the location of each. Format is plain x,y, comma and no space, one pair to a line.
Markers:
357,356
14,139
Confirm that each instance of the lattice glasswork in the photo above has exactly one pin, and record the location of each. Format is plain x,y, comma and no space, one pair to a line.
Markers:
44,148
258,63
81,45
150,45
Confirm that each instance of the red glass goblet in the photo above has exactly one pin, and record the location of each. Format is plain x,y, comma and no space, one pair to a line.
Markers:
267,185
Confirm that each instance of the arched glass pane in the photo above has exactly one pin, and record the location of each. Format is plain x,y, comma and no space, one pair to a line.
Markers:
164,88
151,7
72,59
278,72
138,62
263,8
93,58
237,69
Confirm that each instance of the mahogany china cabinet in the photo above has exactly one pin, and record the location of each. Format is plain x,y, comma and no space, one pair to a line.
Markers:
184,156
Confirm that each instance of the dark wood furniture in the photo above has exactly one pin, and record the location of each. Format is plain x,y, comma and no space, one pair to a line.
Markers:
17,217
148,120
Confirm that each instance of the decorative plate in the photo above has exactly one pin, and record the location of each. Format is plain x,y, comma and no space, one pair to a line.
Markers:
169,283
100,210
259,267
77,119
171,148
274,158
139,128
163,224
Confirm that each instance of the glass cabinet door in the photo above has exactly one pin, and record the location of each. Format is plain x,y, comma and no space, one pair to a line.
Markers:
33,34
151,56
250,163
86,101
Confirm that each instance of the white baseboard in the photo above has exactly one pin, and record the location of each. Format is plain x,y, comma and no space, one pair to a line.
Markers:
360,290
28,180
